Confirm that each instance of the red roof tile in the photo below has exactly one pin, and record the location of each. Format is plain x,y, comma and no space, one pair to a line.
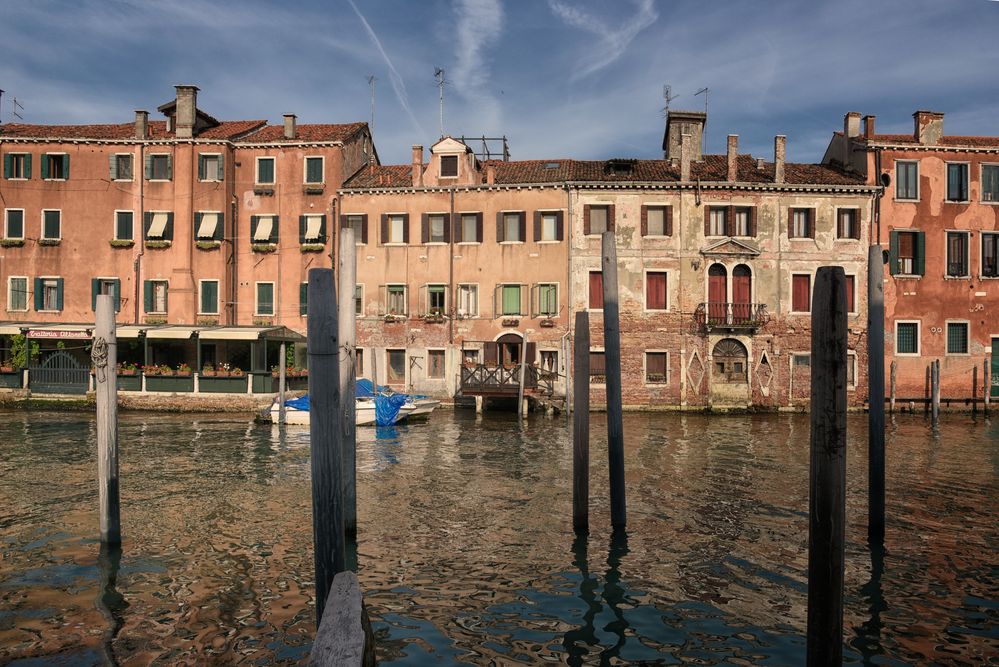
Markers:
950,141
306,132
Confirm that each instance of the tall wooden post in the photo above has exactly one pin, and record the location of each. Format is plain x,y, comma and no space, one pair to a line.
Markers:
348,414
581,424
104,353
876,395
827,472
935,390
612,362
974,389
523,375
281,383
891,405
324,432
988,385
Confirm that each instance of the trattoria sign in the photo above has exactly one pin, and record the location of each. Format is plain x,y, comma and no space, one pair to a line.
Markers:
60,334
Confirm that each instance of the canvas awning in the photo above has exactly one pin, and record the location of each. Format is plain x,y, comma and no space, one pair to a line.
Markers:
264,225
251,333
129,331
157,226
11,329
171,332
313,226
209,221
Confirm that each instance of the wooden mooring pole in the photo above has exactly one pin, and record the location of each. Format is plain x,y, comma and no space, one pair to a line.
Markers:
935,391
325,434
348,409
581,424
282,382
974,389
827,471
891,404
988,385
521,408
104,354
612,369
876,398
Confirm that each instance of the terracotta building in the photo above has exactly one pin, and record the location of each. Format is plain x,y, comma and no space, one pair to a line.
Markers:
940,225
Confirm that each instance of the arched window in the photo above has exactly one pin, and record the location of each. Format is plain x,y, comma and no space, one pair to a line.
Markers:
730,361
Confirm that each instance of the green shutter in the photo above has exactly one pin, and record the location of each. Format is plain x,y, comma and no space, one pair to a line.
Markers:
117,294
59,301
147,295
220,228
65,167
511,299
197,223
95,285
169,167
149,166
322,228
893,253
274,229
45,166
8,166
168,230
39,297
920,253
113,166
221,168
301,229
27,165
303,299
254,219
166,297
201,167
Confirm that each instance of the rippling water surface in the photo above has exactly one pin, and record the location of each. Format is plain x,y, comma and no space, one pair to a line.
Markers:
466,549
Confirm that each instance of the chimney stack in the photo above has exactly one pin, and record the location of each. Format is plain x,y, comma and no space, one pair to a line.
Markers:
141,124
929,127
678,124
417,166
869,127
851,125
490,174
185,111
733,157
290,125
780,154
685,158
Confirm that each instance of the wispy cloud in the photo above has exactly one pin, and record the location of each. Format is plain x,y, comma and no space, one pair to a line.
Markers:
612,41
398,85
479,25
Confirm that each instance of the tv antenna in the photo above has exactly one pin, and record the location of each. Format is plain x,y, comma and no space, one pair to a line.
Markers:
371,84
668,96
441,81
705,91
14,107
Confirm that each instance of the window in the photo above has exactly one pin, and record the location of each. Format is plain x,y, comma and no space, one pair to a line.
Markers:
208,226
359,223
436,228
990,182
265,171
801,293
13,223
596,290
312,229
851,292
48,294
17,293
851,370
510,303
549,230
209,302
957,254
656,220
470,228
742,220
549,361
990,255
155,296
469,356
51,225
436,297
303,298
906,253
395,303
158,226
314,170
210,167
596,219
159,167
717,221
264,229
449,166
509,228
907,180
55,166
265,299
957,182
848,223
957,338
802,360
17,165
802,223
907,338
395,228
110,286
435,364
655,367
468,300
597,372
358,362
359,300
120,166
124,226
396,366
547,299
655,290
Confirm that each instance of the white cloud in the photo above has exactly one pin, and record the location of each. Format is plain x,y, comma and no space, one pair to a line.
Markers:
479,25
613,41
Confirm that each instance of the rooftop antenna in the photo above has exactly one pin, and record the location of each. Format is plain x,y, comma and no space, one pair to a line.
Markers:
14,107
669,97
705,91
371,83
439,75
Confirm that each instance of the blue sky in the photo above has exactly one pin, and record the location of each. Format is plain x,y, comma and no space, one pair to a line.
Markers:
560,78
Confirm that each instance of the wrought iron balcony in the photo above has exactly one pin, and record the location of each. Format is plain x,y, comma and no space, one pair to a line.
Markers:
717,315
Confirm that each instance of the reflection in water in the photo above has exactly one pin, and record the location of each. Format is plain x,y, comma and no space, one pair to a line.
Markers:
110,602
868,641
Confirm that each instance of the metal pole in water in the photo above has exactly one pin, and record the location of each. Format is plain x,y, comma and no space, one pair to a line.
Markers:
325,434
104,354
281,383
876,395
612,359
827,471
348,410
581,424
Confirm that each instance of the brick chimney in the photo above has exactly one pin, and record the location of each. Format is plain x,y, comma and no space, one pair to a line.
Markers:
290,125
851,124
869,126
417,166
685,158
141,124
490,174
780,154
733,157
929,127
186,111
678,124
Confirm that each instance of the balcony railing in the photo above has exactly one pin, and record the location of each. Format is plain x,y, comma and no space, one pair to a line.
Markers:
717,315
480,379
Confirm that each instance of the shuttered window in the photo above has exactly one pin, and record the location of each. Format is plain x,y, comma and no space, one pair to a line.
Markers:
265,170
17,165
907,180
468,300
848,223
210,167
396,366
55,166
717,221
209,304
597,372
110,286
265,299
801,293
596,301
449,166
48,294
656,220
599,219
435,364
314,170
655,290
124,226
396,299
990,255
358,300
159,167
52,225
303,298
907,251
851,304
120,166
957,254
511,300
548,299
802,223
655,367
13,224
17,293
957,182
359,223
155,293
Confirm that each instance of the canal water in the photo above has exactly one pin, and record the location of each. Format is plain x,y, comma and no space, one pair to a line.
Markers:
466,549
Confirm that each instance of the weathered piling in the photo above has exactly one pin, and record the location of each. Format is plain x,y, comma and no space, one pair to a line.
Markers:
612,370
325,434
521,408
891,404
988,385
935,391
345,637
876,400
104,354
282,378
581,425
348,370
974,390
827,472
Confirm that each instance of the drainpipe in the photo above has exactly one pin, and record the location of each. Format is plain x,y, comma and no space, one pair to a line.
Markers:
567,226
137,264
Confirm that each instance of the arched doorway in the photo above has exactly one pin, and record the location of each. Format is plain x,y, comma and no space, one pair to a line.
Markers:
742,294
717,293
730,362
506,350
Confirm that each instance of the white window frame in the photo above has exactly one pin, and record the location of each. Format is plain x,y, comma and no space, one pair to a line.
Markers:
385,362
660,206
213,178
48,310
154,282
430,229
458,300
305,169
152,159
810,216
10,294
521,215
19,178
461,221
967,255
405,221
551,350
919,339
851,358
981,183
606,206
440,165
915,162
256,298
554,213
426,288
427,375
41,234
967,338
645,291
361,285
24,224
256,170
218,296
114,221
405,300
946,182
811,287
558,289
120,179
45,156
645,368
860,231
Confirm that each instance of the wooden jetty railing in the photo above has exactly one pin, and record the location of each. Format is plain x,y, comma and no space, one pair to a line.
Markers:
497,380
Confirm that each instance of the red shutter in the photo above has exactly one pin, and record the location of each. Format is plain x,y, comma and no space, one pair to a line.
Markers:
385,236
424,227
707,221
559,226
586,219
597,364
499,227
405,228
343,221
490,353
850,305
596,289
645,220
523,226
532,352
668,218
811,222
456,224
655,291
610,218
752,221
730,221
537,226
364,229
478,227
447,229
801,289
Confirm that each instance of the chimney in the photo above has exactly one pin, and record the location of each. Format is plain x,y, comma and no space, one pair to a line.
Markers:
760,163
417,166
733,157
929,127
290,125
185,112
490,174
851,124
780,153
869,127
678,124
685,158
141,124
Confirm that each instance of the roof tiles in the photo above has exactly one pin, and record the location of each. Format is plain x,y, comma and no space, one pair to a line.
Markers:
255,131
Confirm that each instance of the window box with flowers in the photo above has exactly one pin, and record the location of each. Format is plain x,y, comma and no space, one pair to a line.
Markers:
158,245
207,245
220,380
121,243
434,317
312,247
166,379
263,247
10,376
11,243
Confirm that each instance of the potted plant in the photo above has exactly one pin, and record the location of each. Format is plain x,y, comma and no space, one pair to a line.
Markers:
222,370
183,370
236,372
151,370
126,368
166,371
7,366
208,370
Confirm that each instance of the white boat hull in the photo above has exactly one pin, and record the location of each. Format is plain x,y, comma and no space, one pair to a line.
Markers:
364,414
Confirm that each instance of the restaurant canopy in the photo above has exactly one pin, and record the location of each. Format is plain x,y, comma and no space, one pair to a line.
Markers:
153,332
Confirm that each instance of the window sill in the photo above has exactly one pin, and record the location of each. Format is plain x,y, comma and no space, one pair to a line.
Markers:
548,241
209,180
122,180
395,245
908,276
957,354
121,243
657,237
846,239
989,203
263,190
967,277
156,244
650,383
469,243
906,201
11,243
437,243
159,180
49,242
511,243
908,354
55,180
16,178
47,311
